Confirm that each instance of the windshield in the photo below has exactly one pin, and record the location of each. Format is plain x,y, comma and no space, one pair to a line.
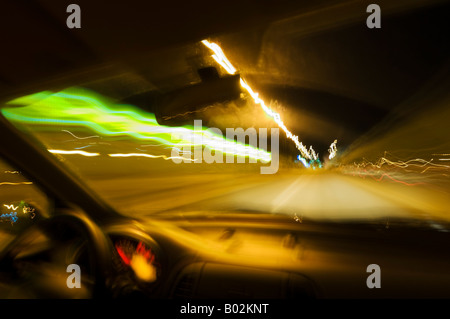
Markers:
169,149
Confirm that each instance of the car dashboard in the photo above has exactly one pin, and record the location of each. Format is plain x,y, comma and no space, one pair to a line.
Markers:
273,257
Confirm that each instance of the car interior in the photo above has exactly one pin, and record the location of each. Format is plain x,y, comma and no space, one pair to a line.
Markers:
144,227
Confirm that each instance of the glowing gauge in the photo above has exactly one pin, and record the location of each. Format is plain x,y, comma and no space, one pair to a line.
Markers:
139,258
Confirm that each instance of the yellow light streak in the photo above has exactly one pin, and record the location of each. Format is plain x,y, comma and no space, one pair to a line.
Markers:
11,206
73,152
11,172
150,156
220,58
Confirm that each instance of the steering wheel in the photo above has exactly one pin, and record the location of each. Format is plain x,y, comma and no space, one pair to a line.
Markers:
70,231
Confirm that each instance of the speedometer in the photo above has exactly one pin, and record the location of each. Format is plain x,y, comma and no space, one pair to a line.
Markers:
139,258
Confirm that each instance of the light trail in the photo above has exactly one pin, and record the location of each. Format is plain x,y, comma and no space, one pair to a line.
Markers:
303,161
120,155
11,206
82,147
277,118
417,162
152,145
150,156
187,113
11,172
181,151
80,138
332,150
412,172
74,152
313,154
396,180
83,108
220,58
19,183
383,175
11,216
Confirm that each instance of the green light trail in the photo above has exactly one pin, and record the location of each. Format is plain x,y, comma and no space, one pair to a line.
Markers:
82,108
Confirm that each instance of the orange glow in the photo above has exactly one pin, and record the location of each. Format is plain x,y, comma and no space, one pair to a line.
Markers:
143,269
141,261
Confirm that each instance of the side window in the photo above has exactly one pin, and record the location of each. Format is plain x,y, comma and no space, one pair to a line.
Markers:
22,203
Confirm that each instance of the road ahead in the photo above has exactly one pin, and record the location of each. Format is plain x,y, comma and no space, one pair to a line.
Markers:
299,194
143,186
